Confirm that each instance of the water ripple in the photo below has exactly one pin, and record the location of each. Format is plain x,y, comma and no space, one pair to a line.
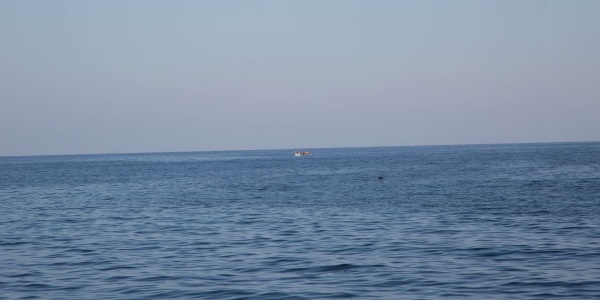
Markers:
478,222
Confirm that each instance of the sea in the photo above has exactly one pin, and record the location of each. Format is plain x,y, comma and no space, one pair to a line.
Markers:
511,221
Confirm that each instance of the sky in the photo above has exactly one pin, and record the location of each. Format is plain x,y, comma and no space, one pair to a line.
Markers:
80,77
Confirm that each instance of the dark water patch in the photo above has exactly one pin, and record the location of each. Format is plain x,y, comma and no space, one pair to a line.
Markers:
38,286
72,263
81,251
117,267
24,275
325,269
272,296
13,243
228,293
116,278
156,278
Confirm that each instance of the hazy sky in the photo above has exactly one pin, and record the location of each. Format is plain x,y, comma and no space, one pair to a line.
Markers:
146,76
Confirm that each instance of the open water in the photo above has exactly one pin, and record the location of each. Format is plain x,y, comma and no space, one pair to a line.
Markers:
464,222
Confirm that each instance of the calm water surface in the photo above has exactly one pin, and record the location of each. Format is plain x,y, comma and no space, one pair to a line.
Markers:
478,222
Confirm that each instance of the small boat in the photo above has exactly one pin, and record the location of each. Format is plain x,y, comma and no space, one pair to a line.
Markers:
302,153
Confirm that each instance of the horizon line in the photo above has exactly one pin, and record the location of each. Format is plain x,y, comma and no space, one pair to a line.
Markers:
273,149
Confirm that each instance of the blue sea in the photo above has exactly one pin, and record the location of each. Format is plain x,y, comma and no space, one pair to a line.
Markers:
515,221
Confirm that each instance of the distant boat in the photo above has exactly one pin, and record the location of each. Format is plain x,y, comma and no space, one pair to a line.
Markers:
302,153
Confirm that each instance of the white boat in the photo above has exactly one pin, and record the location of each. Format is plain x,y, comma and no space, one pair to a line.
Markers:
302,153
